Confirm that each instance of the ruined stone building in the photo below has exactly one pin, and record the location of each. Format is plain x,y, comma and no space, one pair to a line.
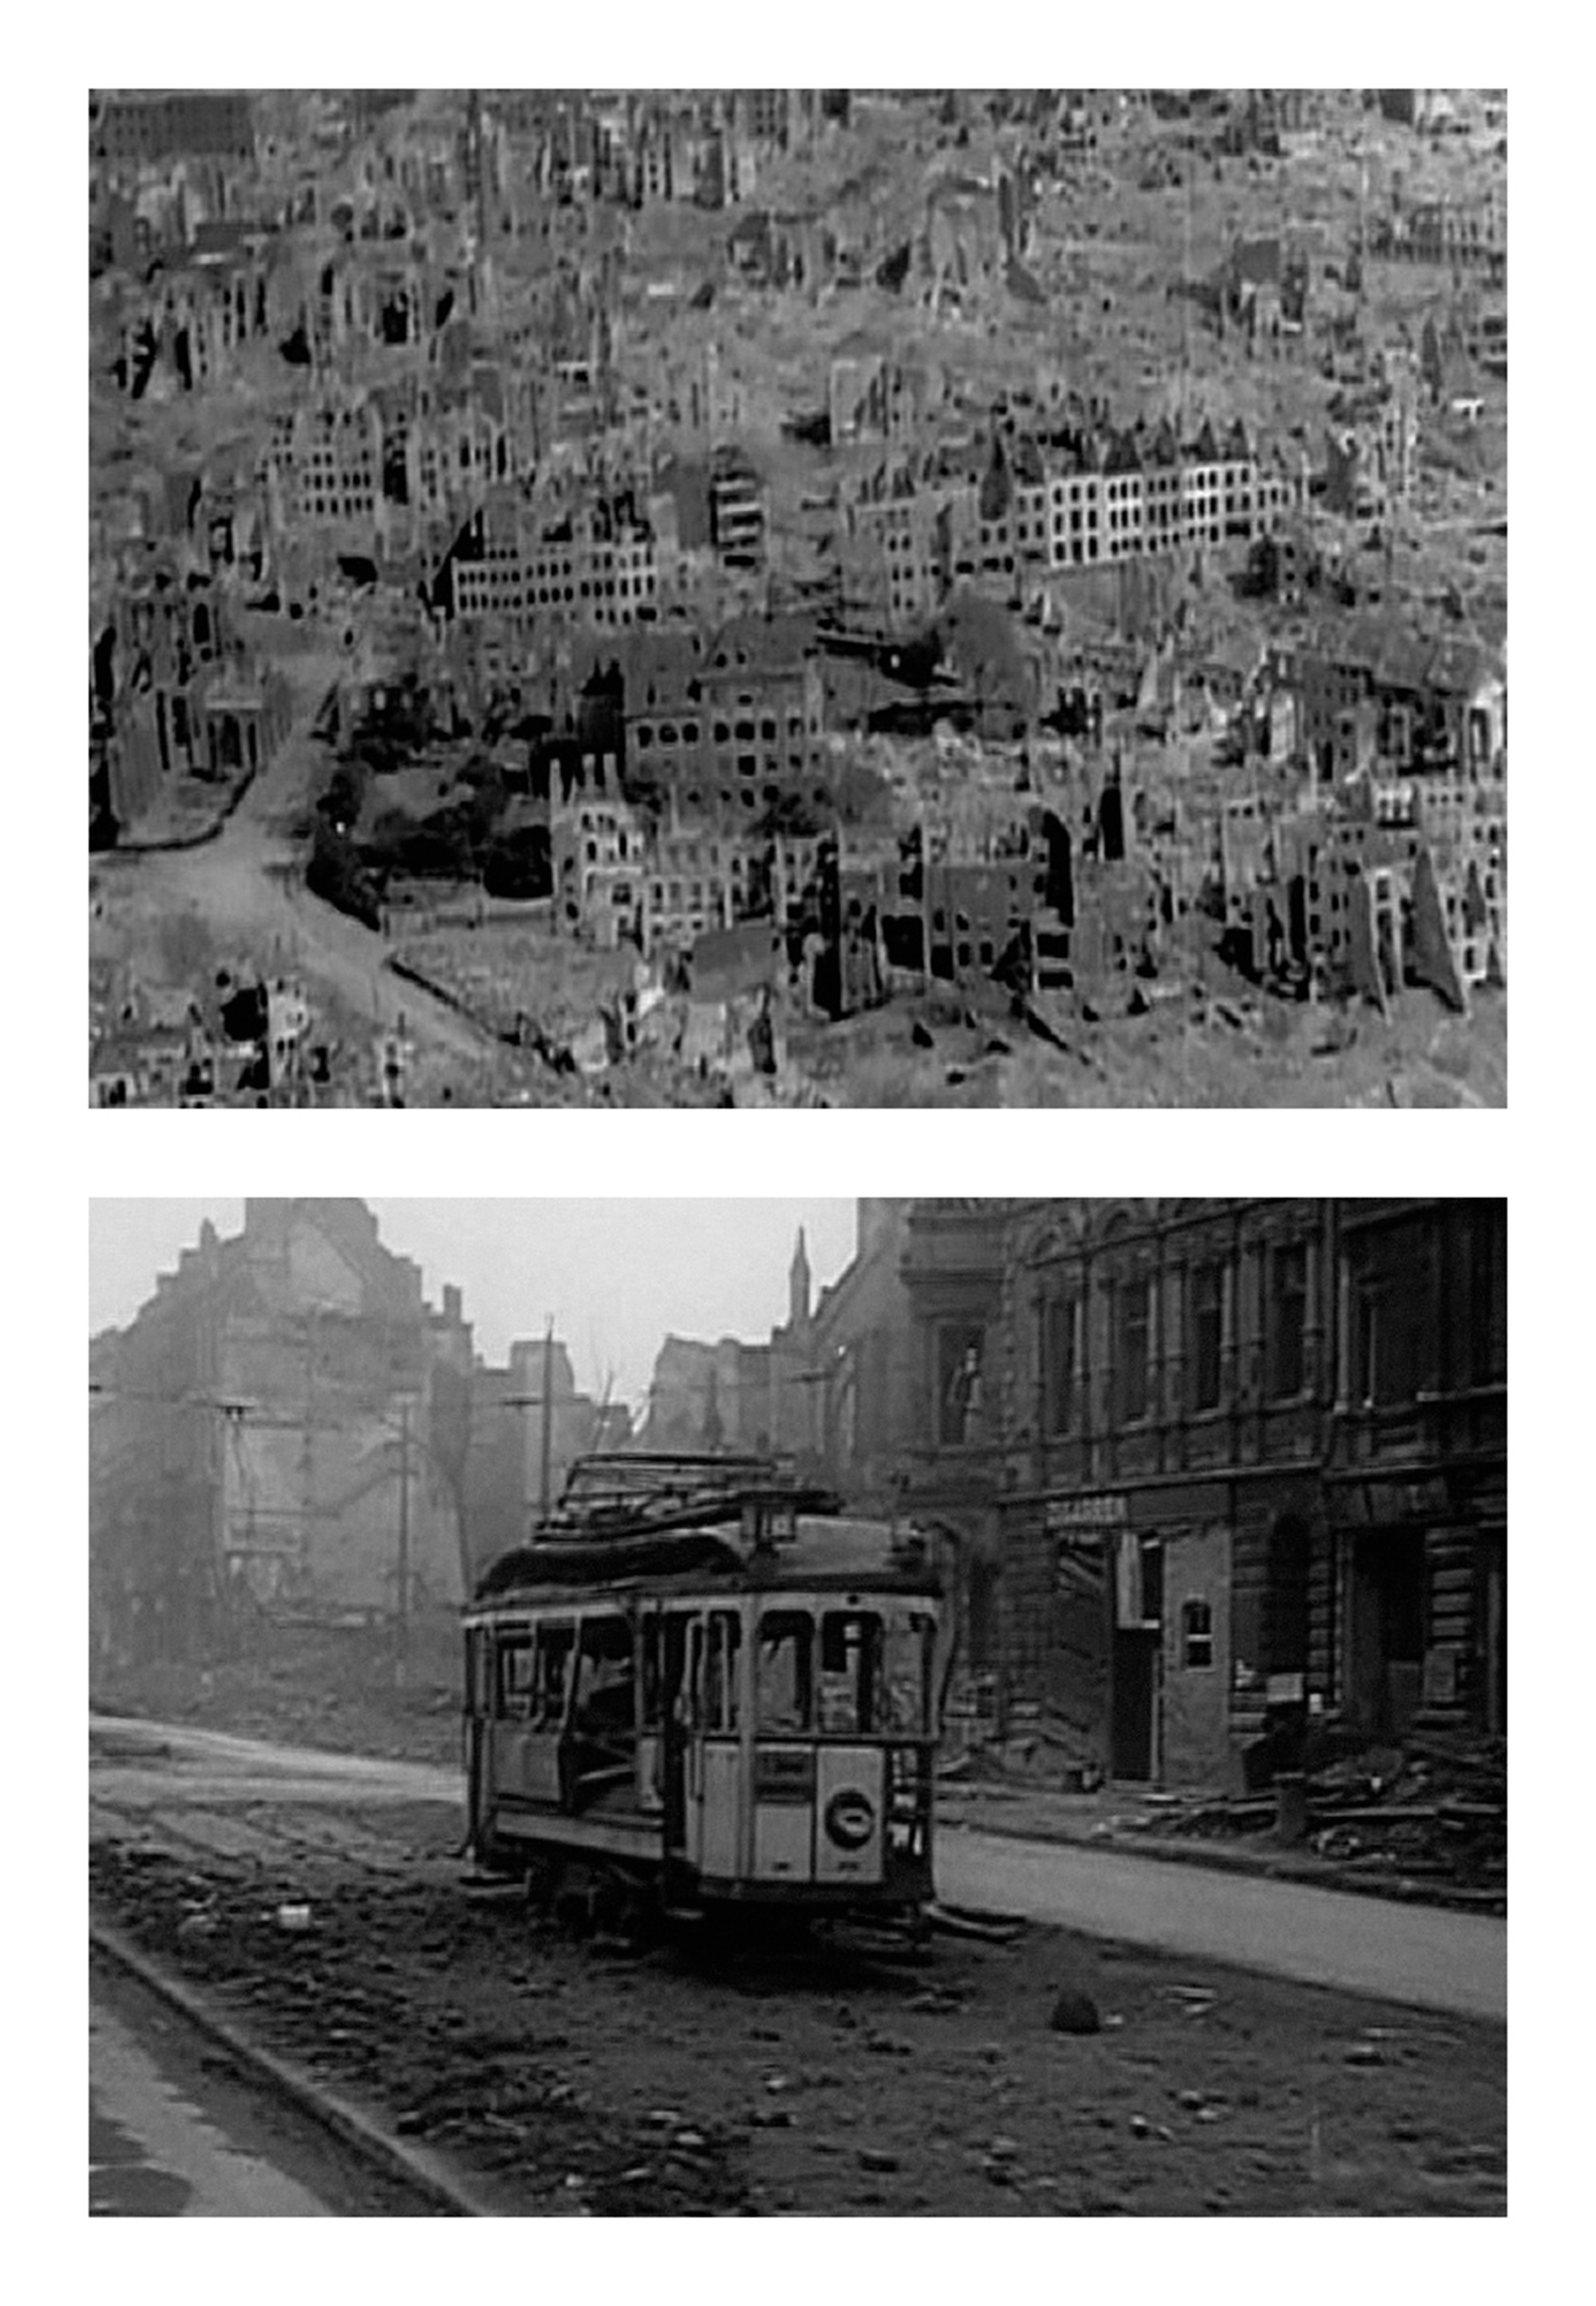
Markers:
830,1388
1209,1473
279,1433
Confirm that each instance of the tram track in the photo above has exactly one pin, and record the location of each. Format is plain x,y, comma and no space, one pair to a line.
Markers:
417,2173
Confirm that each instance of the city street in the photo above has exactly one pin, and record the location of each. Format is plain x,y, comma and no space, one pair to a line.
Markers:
1323,1937
832,2077
1418,1954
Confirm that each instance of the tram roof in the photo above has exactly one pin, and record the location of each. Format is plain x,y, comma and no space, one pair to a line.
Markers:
823,1550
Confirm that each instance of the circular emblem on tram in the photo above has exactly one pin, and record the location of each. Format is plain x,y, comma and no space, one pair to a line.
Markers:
849,1818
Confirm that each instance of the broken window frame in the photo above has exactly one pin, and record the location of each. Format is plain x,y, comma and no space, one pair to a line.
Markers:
555,1655
717,1666
777,1629
1197,1632
516,1674
848,1677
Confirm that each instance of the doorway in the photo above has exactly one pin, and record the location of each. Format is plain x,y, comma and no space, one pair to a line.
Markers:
1386,1633
1135,1656
1135,1694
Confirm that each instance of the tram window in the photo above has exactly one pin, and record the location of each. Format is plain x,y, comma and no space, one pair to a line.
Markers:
722,1650
555,1643
785,1668
516,1682
906,1675
850,1670
603,1698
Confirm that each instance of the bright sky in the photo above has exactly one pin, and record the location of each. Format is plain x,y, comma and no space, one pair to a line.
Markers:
615,1274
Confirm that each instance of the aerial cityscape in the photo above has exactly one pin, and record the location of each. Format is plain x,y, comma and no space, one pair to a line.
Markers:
797,598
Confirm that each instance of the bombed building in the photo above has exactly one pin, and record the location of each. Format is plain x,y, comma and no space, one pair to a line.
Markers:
280,1431
1214,1474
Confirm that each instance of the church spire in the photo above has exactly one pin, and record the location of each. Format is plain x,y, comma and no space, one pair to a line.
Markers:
798,1285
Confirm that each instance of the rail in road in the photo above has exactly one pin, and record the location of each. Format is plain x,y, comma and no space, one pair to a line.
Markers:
1420,1955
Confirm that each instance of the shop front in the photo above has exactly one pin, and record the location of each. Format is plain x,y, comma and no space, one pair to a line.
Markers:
1116,1619
1422,1579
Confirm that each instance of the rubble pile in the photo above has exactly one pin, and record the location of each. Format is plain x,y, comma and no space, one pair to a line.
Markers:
1431,1811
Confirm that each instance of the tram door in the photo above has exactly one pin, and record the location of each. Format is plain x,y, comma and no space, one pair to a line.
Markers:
715,1758
479,1700
673,1730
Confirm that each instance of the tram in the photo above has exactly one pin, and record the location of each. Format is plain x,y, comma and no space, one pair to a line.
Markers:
703,1686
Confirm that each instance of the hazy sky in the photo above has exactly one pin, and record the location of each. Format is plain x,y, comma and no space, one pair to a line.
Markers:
615,1274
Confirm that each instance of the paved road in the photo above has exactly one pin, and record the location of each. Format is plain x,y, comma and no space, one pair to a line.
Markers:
1417,1954
1420,1954
162,2146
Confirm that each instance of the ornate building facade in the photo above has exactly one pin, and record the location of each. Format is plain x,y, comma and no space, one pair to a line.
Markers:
1209,1471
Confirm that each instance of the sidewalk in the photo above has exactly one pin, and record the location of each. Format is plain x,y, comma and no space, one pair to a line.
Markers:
1125,1820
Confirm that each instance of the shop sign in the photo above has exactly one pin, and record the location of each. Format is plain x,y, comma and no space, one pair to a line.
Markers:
1062,1514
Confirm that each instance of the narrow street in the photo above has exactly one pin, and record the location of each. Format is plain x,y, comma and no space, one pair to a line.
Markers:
247,886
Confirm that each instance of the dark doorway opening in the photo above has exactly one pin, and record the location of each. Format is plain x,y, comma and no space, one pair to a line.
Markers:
1135,1684
1137,1639
1385,1661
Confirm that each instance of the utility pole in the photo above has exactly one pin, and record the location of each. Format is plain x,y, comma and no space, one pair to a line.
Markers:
402,1650
547,1450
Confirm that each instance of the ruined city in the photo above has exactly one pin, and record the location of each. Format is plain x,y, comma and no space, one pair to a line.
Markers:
1014,1724
797,598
